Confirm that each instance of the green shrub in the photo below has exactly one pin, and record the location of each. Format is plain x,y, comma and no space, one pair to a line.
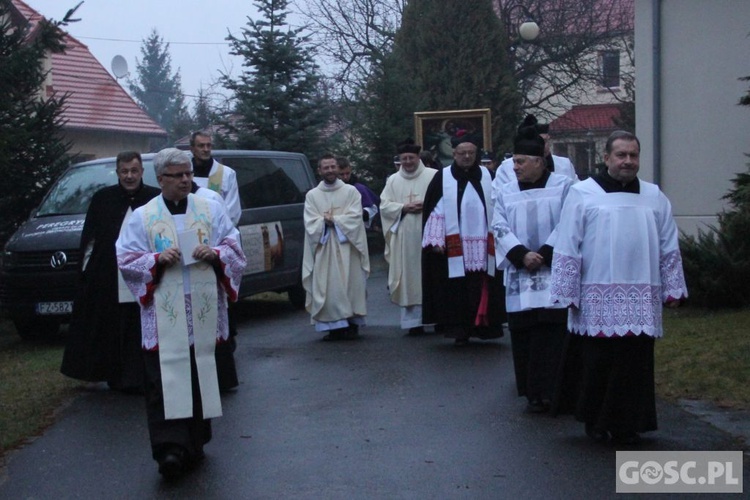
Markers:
717,261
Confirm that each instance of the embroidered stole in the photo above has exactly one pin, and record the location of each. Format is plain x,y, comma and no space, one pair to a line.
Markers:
172,314
215,180
453,246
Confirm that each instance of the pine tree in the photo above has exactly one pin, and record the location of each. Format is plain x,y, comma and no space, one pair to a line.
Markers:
202,114
457,59
157,90
443,58
279,104
32,148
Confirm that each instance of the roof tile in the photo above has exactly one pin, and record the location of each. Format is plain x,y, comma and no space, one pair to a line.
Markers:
587,117
95,100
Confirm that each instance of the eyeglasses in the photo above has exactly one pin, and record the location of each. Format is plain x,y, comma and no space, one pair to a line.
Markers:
180,175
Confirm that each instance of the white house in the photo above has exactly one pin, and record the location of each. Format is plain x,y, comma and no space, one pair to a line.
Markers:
689,56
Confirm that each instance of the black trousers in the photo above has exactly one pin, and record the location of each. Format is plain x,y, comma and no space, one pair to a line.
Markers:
226,369
537,353
190,434
616,391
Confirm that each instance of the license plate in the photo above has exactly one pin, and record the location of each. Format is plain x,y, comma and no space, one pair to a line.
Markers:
54,307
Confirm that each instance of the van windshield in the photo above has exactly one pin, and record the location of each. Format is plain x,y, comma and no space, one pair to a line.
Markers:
72,192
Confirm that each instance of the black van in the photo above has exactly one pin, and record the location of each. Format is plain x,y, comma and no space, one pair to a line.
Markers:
40,262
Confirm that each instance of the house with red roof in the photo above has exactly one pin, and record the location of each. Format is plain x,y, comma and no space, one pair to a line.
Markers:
101,117
580,133
581,119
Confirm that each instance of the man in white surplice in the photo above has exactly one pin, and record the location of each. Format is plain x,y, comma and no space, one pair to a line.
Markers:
335,261
616,260
526,212
557,164
401,215
181,258
210,175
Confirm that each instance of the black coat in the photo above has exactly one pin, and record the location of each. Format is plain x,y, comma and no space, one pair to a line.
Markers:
94,351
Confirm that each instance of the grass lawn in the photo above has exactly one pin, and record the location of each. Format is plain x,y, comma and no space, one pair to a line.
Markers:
32,386
705,355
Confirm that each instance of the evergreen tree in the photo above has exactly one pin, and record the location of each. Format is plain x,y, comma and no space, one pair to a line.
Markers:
32,148
202,114
443,58
157,90
383,116
745,99
279,102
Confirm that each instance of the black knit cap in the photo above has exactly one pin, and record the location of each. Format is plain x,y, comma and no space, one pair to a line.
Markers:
530,120
463,136
408,146
528,142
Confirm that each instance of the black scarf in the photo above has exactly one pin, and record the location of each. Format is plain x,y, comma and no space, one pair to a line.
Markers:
176,207
202,168
537,184
611,185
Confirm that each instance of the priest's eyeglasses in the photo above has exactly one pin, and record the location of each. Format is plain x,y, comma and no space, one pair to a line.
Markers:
179,175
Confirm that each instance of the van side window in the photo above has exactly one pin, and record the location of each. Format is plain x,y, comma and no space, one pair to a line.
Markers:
267,182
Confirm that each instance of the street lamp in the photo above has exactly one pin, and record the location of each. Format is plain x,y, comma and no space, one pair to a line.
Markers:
528,30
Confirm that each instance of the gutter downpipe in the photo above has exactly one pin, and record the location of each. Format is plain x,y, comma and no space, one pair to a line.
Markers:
656,75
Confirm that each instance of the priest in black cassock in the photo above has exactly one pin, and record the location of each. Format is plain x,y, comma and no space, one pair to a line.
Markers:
104,341
460,294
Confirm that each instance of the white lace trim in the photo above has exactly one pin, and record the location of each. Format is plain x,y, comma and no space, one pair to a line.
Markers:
475,253
434,231
617,310
474,247
566,280
672,276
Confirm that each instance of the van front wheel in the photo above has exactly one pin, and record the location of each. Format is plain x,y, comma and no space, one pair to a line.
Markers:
297,296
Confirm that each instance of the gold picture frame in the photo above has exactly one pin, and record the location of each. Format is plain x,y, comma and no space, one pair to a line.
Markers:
434,130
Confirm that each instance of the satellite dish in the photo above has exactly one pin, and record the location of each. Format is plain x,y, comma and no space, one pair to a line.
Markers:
119,67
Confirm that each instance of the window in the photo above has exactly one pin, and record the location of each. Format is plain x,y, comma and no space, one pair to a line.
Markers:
610,68
268,182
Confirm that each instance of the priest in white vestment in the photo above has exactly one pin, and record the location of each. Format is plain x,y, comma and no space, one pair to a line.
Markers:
526,212
401,215
180,256
335,262
211,175
616,261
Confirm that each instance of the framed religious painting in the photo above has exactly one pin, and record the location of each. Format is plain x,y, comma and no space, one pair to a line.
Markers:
435,130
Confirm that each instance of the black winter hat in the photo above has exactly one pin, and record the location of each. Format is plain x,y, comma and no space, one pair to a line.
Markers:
528,142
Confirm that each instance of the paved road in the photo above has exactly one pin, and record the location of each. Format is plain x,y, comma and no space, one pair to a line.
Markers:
386,416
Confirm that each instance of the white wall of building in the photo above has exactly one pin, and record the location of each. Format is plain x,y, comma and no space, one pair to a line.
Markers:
704,134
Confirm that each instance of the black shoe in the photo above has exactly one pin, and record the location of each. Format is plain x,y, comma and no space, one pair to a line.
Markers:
350,333
333,335
171,466
626,438
461,342
537,406
416,331
597,435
